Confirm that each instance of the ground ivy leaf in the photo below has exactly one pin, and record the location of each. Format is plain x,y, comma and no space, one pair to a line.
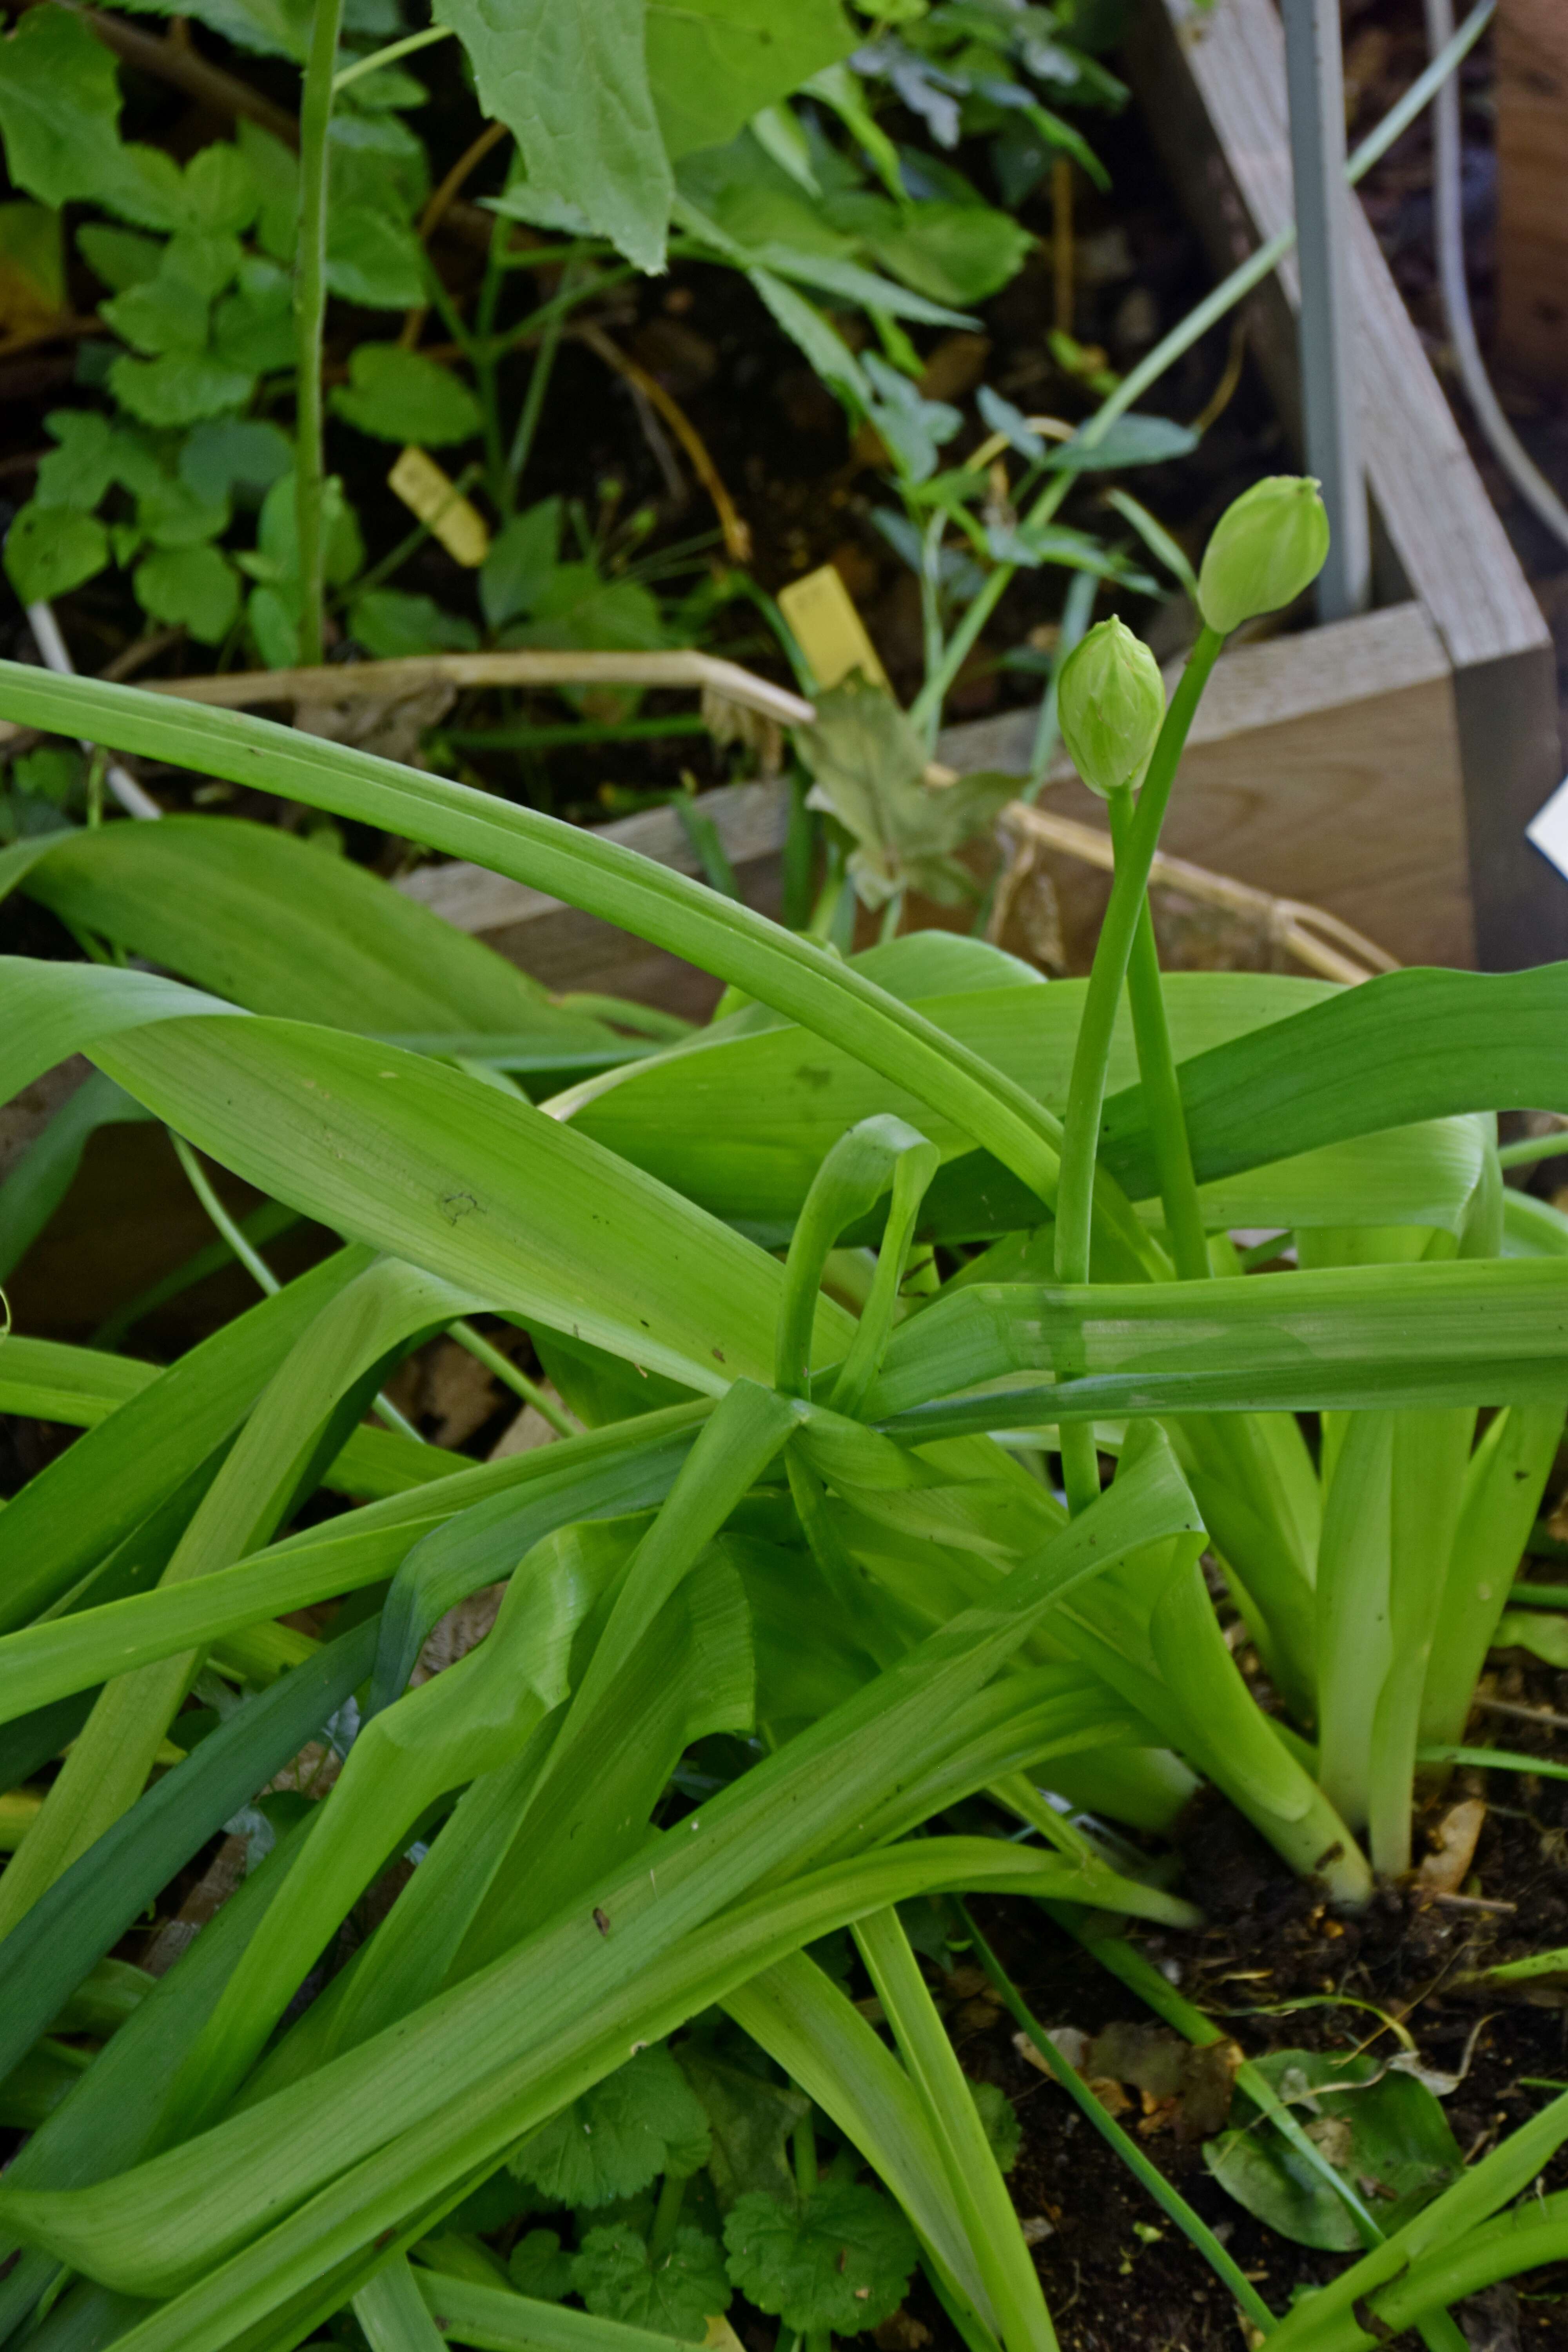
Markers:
538,2268
638,2121
676,2296
841,2260
750,2120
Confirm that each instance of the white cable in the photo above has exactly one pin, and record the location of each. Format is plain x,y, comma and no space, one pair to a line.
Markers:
1449,234
52,645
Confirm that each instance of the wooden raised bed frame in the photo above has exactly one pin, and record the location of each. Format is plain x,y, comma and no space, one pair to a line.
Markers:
1382,768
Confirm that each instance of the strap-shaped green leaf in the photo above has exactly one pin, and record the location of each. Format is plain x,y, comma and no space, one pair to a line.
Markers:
796,976
173,2219
66,1518
1467,1332
440,1170
88,1908
262,919
1406,1045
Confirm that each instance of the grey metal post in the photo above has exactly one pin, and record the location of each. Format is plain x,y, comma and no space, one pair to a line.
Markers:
1315,78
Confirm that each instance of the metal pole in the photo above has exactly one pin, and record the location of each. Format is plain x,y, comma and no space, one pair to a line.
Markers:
1315,80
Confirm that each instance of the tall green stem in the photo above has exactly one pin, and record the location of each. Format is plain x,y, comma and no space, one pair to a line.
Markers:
309,318
1157,1068
1086,1089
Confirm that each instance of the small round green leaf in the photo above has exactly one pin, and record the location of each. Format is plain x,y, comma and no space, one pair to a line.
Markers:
50,550
190,584
401,396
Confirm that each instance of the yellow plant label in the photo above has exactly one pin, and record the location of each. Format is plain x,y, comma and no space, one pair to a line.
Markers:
436,499
828,630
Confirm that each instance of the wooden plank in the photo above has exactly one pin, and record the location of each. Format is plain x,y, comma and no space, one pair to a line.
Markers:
1323,767
569,950
1437,523
1529,47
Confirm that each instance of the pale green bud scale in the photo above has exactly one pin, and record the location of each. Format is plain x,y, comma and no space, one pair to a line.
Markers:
1111,705
1265,548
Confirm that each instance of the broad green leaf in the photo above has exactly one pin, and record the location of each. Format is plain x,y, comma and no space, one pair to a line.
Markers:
523,554
298,1423
58,1381
669,909
121,258
713,63
1377,2125
262,919
399,395
636,2123
957,254
527,1214
109,2119
570,80
840,2260
741,1120
160,315
391,2312
603,1475
53,1381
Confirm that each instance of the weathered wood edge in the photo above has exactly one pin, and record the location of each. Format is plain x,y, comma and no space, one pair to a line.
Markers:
1212,92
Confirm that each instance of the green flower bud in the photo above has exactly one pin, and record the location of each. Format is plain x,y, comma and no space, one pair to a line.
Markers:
1110,703
1267,546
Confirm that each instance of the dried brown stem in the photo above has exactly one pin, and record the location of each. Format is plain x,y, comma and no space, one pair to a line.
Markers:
340,682
737,534
1306,932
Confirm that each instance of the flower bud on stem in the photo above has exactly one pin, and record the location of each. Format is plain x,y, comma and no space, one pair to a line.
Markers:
1086,1089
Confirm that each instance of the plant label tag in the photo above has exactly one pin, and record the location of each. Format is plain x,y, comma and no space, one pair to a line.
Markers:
436,499
1548,829
828,630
